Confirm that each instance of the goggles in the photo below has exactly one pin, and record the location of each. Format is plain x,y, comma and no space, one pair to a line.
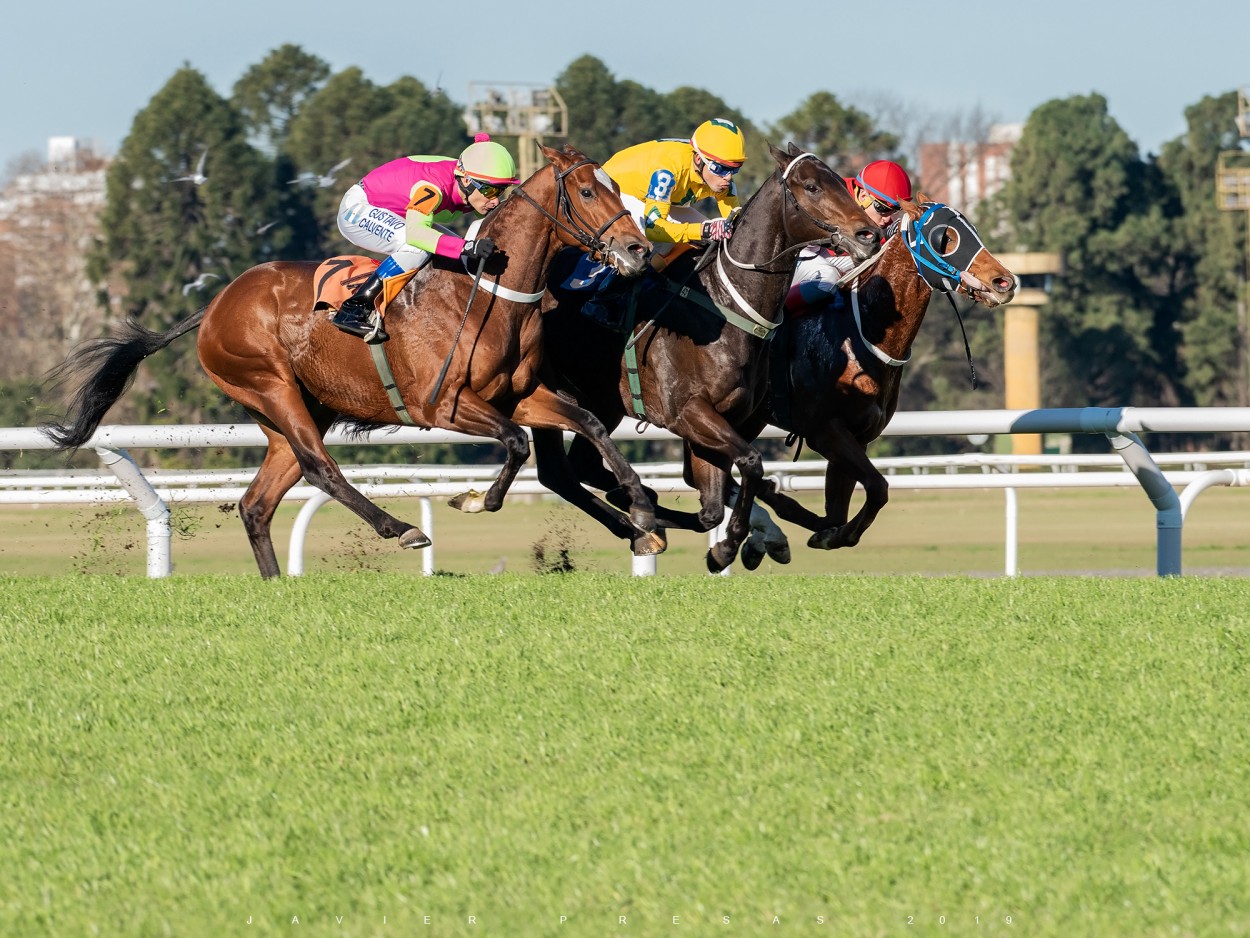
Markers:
724,170
866,200
489,189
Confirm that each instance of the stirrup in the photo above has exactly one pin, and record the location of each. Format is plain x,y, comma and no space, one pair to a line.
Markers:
376,334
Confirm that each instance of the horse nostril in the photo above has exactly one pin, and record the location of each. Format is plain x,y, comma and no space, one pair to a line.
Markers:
1003,284
868,235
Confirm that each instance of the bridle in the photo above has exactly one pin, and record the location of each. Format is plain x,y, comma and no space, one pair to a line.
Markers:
577,227
788,202
939,270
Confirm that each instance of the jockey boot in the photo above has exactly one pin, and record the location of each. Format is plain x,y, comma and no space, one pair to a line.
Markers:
356,314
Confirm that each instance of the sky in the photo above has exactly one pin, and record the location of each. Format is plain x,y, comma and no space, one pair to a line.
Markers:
84,69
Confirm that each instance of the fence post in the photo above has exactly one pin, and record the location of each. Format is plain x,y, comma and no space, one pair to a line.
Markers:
159,562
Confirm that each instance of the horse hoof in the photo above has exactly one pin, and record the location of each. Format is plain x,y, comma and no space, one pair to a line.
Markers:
643,521
779,552
719,557
829,539
752,554
470,502
650,543
414,538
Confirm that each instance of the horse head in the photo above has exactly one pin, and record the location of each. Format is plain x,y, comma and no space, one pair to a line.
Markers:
822,207
950,255
589,213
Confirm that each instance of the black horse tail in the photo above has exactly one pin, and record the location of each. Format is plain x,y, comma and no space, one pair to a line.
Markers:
103,369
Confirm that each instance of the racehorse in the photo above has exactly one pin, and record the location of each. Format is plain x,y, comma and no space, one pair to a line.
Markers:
697,362
837,370
296,374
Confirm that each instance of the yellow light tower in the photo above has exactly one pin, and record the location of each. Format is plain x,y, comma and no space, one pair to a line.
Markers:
1232,194
528,112
1021,349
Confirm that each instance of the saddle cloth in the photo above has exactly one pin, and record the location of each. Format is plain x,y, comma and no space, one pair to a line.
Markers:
337,278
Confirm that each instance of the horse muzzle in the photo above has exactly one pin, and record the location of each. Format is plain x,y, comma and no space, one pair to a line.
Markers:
630,259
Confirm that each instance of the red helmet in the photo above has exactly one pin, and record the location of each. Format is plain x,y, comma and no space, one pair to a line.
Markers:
887,181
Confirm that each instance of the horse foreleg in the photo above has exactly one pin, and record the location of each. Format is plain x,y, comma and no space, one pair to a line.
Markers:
476,417
546,410
711,436
849,464
558,472
278,473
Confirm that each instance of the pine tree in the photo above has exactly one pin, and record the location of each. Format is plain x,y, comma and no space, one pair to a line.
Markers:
187,196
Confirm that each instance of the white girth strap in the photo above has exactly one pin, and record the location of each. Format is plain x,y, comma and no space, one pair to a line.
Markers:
505,294
738,298
859,326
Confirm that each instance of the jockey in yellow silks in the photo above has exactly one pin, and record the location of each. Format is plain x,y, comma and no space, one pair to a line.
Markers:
662,179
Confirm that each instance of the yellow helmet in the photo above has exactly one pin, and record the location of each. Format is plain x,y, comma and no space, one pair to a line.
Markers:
721,141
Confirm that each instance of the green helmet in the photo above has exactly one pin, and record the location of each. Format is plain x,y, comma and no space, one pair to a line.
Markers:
488,161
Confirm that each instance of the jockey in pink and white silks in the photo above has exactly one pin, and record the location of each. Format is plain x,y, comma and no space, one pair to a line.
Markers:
401,209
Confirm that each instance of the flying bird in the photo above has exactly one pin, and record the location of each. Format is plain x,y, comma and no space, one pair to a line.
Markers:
324,181
198,283
198,178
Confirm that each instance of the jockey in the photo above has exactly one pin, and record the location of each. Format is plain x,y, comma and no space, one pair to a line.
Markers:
660,181
878,189
400,209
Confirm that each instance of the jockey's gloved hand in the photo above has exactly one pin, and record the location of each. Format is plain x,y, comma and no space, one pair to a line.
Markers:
480,249
718,229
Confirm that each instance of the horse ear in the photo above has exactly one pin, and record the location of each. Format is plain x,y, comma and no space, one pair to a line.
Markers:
910,208
792,149
551,153
782,158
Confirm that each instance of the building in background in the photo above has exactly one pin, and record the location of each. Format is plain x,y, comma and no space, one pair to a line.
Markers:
49,218
962,173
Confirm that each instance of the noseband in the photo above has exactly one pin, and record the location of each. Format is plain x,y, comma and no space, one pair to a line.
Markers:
578,227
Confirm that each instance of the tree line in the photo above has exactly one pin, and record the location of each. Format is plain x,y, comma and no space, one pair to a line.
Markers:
205,186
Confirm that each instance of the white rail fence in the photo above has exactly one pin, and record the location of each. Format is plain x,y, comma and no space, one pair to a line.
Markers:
151,490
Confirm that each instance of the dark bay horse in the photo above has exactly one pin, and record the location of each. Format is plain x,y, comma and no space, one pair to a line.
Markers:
263,345
837,373
696,364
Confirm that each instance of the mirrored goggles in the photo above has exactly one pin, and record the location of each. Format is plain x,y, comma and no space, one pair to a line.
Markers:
489,189
724,170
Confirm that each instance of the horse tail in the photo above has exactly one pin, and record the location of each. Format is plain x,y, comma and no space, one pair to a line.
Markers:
104,369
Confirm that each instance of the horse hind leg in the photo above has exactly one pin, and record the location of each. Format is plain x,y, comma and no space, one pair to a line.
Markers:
277,475
766,538
285,412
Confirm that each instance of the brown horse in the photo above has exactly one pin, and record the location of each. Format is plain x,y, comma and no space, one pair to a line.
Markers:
837,373
261,342
697,363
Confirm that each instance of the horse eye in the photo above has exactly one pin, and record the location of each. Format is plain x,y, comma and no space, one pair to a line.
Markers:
587,193
811,187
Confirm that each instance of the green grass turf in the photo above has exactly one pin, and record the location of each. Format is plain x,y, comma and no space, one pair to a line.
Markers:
361,751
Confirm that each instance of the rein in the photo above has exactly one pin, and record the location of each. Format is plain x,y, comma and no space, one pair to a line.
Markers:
564,206
785,223
754,323
594,243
